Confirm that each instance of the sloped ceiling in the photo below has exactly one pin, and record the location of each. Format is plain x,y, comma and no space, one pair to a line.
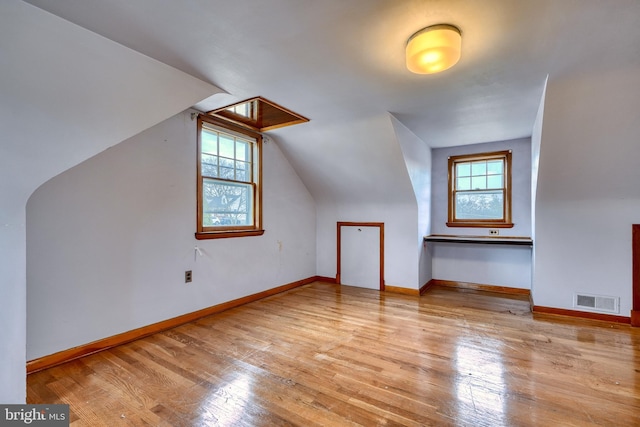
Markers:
335,58
340,63
67,93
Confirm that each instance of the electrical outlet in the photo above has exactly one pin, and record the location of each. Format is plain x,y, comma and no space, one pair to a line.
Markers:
187,276
494,232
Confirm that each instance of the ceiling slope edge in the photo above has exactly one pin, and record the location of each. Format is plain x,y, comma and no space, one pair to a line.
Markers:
69,94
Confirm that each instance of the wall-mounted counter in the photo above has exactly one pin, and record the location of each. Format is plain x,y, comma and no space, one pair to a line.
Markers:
490,240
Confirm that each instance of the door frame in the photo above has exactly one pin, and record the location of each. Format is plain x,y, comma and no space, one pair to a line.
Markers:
380,225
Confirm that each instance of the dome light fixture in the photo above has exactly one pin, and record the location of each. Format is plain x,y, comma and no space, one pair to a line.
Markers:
434,49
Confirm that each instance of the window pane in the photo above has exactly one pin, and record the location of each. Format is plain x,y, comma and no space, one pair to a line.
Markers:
464,184
485,205
227,168
463,169
242,150
209,165
209,142
479,168
479,182
494,181
226,173
494,167
226,146
239,109
226,204
245,109
243,172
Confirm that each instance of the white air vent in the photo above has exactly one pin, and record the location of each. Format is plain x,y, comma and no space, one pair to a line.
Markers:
596,303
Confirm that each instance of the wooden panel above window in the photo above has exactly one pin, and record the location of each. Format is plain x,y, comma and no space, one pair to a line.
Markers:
258,114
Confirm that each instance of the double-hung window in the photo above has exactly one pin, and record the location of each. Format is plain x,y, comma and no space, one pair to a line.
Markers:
480,190
229,171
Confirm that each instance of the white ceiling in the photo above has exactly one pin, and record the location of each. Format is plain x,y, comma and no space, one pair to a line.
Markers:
335,57
340,62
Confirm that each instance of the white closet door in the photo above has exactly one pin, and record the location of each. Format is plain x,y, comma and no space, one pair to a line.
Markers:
360,256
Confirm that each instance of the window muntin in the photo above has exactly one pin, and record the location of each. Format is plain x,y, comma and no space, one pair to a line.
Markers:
480,190
229,192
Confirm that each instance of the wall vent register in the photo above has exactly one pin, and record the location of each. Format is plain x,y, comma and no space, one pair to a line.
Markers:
600,303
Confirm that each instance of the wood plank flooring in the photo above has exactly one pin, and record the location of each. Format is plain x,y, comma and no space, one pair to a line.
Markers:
325,355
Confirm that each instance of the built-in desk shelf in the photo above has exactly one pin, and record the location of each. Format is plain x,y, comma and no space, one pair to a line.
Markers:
484,240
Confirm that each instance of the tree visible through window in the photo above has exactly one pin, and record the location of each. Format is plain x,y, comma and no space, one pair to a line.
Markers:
229,193
480,190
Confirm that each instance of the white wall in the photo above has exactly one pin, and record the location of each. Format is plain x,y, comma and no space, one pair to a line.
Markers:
400,249
66,94
13,299
536,141
496,265
508,266
108,241
417,157
520,179
588,186
366,181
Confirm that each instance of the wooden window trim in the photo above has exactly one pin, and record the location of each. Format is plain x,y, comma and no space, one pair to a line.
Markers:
480,223
203,233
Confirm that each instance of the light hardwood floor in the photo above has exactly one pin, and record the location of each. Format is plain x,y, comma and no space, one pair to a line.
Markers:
325,355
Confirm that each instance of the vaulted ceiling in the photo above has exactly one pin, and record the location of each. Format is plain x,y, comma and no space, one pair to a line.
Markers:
335,59
341,58
340,63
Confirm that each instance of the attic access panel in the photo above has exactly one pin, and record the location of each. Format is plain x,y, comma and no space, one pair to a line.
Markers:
259,114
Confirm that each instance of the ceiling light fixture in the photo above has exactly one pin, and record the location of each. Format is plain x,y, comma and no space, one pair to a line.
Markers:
433,49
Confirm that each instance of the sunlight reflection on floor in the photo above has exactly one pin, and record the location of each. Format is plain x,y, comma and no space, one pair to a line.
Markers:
480,387
226,405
